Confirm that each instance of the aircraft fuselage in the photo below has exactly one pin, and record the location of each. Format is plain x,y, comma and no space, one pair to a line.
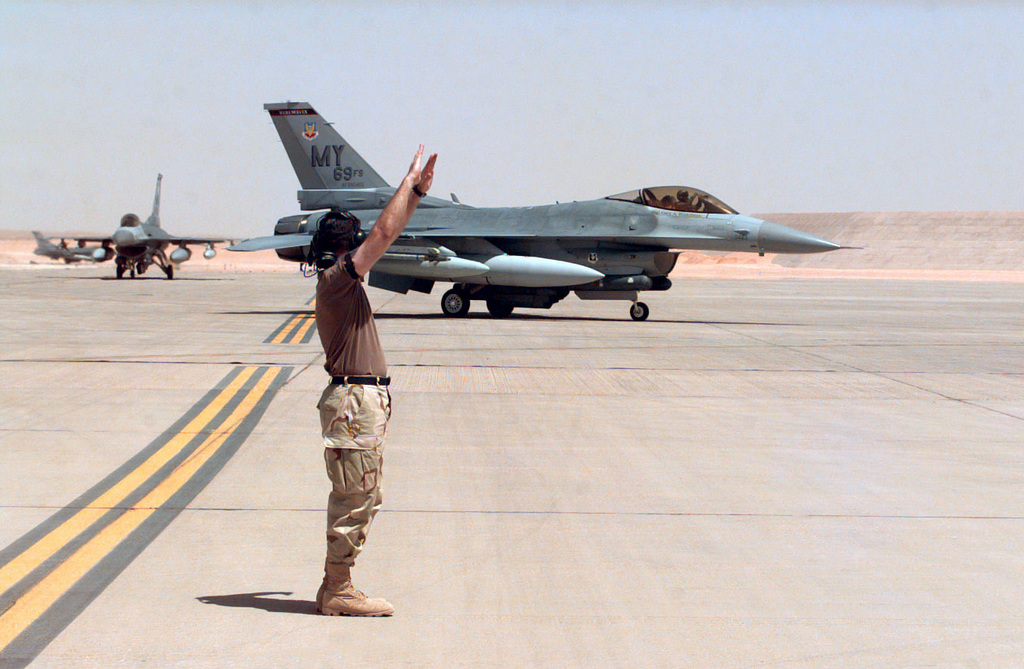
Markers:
615,238
611,248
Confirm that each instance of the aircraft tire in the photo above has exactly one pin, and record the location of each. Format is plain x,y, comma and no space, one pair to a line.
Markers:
500,308
169,270
639,311
455,303
120,271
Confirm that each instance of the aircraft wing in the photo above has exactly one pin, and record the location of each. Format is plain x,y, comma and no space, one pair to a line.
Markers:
407,257
196,240
97,240
272,242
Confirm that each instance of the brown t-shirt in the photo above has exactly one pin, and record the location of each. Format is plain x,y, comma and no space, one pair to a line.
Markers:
345,322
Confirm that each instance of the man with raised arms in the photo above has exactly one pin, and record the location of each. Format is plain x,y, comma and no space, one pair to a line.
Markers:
356,405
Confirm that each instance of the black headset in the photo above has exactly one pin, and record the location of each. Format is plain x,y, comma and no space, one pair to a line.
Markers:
333,230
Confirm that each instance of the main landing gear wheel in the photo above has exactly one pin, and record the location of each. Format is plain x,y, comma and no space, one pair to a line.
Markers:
500,308
639,312
120,270
455,303
169,271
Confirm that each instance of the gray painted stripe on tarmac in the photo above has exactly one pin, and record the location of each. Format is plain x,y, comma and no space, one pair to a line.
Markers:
24,648
269,337
308,337
292,327
32,536
8,597
279,330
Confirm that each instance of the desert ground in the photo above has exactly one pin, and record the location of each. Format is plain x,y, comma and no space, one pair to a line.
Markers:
939,246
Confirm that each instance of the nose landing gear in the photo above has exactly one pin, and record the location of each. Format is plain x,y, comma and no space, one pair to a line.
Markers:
138,265
639,311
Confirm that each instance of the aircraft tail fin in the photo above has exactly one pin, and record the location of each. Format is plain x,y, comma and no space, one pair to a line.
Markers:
154,218
320,156
42,243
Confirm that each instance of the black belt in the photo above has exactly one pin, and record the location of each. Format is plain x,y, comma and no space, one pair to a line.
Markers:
361,380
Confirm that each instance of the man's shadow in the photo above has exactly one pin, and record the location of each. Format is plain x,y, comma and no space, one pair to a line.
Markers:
262,600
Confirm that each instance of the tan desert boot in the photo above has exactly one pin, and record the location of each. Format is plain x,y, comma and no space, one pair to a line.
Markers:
322,591
337,596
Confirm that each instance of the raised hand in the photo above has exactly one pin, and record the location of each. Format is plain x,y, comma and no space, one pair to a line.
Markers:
421,176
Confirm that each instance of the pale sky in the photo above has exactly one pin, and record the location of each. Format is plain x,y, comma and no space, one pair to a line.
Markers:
771,106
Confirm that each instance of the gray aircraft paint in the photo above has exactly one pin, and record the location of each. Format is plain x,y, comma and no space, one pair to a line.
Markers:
154,217
70,254
137,245
319,154
610,248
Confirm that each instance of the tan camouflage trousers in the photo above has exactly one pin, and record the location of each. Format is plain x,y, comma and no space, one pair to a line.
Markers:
354,422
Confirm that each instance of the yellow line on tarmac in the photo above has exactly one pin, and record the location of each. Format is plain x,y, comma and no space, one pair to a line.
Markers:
310,322
37,600
42,550
283,334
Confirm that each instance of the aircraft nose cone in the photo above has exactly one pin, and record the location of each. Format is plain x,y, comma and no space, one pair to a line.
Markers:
777,238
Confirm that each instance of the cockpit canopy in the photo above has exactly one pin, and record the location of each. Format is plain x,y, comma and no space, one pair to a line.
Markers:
130,221
676,198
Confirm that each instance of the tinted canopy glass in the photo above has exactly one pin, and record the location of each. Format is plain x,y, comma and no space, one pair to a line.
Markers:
676,198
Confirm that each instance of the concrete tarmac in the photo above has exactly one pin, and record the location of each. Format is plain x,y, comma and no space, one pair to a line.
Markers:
766,473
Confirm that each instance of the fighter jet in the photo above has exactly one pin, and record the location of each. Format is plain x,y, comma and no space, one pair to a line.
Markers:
69,254
137,245
612,248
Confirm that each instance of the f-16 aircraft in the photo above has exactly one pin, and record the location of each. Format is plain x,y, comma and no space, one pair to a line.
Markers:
612,248
137,245
70,254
